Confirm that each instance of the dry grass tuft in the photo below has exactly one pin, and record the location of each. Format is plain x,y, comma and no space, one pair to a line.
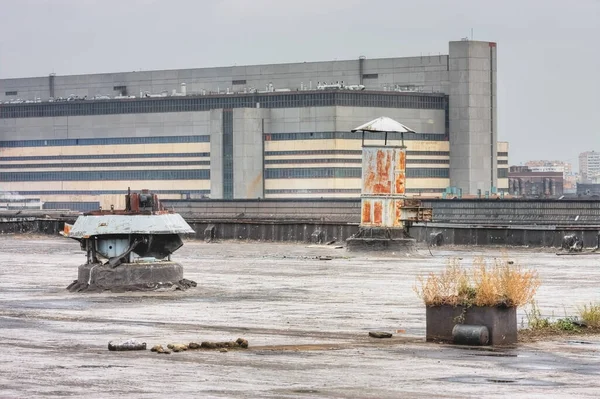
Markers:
501,284
590,315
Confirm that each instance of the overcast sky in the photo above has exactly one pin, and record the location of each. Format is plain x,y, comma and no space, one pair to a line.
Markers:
548,50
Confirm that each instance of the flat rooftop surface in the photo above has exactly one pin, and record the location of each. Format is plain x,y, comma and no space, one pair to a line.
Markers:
306,319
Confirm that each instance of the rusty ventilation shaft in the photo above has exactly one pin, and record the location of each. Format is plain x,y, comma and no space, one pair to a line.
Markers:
386,212
130,249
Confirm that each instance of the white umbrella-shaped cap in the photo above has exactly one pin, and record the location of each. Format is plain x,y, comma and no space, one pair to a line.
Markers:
383,124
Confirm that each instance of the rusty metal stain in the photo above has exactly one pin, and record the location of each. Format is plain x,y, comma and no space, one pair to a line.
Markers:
400,183
394,205
398,213
254,186
377,213
400,175
366,212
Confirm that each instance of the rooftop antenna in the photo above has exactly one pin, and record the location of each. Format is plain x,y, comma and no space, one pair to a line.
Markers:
471,33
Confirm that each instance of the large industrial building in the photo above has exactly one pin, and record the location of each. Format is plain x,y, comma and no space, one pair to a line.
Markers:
260,131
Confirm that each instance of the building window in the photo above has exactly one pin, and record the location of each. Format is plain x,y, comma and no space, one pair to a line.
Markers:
104,192
310,173
370,75
238,82
315,191
10,93
440,173
205,103
502,173
354,135
74,206
332,172
102,164
70,175
121,89
106,141
109,156
313,160
503,154
314,152
430,161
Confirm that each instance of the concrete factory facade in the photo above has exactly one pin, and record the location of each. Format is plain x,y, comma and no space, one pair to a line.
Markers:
263,131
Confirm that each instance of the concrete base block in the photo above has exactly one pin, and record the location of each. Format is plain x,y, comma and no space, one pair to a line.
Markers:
359,244
501,322
130,277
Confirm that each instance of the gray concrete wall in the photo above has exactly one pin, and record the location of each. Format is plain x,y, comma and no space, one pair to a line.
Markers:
248,180
102,126
216,153
344,119
428,72
420,120
490,212
473,118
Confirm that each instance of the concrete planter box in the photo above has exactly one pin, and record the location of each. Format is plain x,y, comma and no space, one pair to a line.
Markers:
500,321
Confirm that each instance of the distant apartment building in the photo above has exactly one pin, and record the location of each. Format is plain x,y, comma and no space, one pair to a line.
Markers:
569,178
566,166
525,182
589,166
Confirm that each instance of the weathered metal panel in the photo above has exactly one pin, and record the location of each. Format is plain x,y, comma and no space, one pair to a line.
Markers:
86,226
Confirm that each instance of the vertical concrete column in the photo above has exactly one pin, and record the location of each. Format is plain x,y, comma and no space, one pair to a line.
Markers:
216,153
473,117
248,152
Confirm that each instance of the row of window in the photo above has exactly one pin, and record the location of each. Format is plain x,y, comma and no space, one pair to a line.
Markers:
314,152
359,152
106,141
312,160
353,136
7,200
503,154
431,161
502,173
307,173
101,165
428,172
74,206
315,191
424,190
348,160
205,103
502,162
345,191
107,156
189,174
105,192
